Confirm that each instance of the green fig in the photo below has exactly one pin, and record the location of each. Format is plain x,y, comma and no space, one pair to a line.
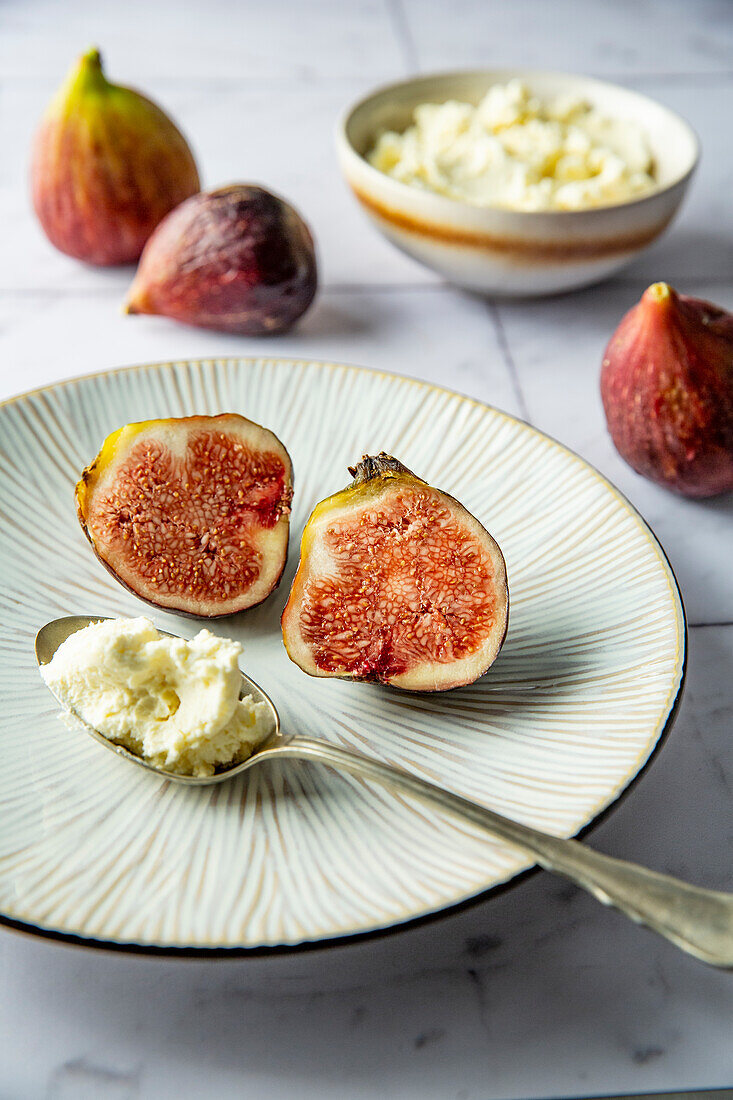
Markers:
108,165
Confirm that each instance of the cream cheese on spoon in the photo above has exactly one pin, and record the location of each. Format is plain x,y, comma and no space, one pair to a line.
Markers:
171,701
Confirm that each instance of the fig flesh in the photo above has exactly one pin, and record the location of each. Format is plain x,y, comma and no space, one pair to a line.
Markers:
397,583
107,166
667,391
238,260
191,514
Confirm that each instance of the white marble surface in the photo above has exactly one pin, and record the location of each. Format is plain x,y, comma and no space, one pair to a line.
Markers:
539,992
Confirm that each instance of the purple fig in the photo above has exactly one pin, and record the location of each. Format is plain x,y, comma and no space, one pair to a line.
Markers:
667,390
239,260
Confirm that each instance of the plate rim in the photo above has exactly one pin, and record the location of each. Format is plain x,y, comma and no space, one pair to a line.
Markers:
155,950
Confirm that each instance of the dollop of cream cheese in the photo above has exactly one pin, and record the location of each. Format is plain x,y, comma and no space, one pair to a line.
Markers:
519,152
171,701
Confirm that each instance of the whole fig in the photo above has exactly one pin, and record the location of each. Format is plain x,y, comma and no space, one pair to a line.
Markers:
107,166
667,390
239,260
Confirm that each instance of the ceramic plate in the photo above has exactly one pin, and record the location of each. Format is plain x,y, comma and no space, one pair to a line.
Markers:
288,855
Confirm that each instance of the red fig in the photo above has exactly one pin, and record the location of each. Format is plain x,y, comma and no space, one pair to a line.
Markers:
239,260
192,513
667,390
107,166
397,583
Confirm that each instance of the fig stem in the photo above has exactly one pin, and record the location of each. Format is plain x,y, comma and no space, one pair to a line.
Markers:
88,75
92,58
135,302
660,292
371,466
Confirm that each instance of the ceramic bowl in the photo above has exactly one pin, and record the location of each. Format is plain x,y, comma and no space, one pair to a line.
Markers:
507,252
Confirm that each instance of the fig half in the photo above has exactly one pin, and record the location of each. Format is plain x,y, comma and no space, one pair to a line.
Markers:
191,514
397,583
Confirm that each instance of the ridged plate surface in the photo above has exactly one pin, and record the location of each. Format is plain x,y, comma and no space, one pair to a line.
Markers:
567,716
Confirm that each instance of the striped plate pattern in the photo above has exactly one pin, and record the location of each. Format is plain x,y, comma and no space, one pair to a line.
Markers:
583,689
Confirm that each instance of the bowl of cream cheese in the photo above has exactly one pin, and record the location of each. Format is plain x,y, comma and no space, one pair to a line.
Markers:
517,183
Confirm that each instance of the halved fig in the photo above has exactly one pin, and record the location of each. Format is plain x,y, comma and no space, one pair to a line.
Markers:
191,513
398,583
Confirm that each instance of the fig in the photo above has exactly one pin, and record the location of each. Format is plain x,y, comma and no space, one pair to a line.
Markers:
190,514
107,166
667,391
238,260
397,583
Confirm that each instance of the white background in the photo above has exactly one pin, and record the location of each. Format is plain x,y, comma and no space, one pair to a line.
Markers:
539,992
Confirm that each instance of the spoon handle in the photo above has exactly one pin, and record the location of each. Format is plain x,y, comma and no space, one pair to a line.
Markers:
697,920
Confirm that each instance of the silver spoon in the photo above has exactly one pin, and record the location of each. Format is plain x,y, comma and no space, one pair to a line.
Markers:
698,921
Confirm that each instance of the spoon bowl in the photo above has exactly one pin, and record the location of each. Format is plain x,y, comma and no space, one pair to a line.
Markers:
56,632
697,920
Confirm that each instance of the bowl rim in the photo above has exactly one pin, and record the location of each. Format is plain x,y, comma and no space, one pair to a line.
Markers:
446,204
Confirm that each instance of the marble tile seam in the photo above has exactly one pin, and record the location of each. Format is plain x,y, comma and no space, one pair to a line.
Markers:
691,280
509,363
297,82
403,33
47,289
636,281
412,68
692,76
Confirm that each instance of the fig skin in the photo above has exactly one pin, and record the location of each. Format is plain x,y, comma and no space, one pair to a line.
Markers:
107,166
667,392
274,547
238,260
375,478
